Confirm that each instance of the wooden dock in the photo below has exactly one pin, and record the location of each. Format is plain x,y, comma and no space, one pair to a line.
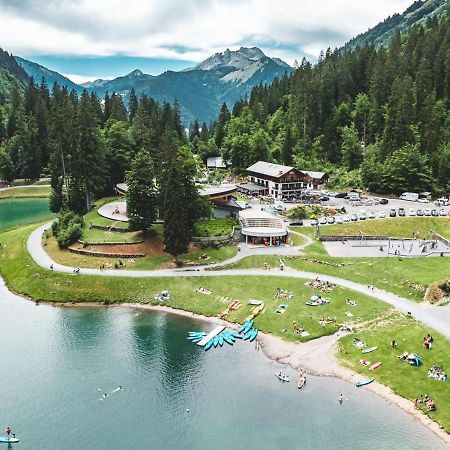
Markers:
211,335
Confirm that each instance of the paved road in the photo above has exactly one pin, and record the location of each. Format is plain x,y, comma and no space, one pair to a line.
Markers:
437,318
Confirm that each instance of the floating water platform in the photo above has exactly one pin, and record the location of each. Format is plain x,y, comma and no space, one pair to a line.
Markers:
211,335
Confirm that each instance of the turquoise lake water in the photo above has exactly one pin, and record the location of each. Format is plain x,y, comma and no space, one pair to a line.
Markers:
14,212
56,363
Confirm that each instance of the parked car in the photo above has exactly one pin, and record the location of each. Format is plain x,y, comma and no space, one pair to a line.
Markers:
401,212
341,195
419,212
427,212
324,198
371,215
339,219
384,201
362,216
393,213
441,202
368,202
412,212
435,213
443,213
323,221
376,201
382,215
346,219
296,223
354,218
423,200
331,220
332,194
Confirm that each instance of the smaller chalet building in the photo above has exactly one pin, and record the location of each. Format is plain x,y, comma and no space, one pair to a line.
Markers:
282,182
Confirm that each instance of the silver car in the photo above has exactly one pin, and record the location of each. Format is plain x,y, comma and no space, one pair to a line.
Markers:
371,215
412,212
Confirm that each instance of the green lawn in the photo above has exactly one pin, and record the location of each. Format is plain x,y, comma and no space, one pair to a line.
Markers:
407,277
377,323
297,239
402,227
26,192
25,277
96,235
404,379
214,227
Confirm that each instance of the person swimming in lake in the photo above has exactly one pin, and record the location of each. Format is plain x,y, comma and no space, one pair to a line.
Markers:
341,399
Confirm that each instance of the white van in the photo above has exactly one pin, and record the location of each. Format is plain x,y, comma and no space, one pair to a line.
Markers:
409,196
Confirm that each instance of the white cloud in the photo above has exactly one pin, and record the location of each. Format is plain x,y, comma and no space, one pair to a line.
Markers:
188,29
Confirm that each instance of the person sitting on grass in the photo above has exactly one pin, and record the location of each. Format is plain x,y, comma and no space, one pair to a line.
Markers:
393,343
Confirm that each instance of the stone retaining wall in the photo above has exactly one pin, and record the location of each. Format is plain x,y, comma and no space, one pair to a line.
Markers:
225,237
110,243
353,238
80,251
106,228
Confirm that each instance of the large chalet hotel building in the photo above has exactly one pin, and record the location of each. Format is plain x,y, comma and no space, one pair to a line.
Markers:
281,182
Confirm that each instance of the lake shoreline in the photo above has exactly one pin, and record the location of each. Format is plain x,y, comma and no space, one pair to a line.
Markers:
317,357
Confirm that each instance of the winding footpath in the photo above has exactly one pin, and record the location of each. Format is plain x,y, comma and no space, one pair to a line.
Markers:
434,317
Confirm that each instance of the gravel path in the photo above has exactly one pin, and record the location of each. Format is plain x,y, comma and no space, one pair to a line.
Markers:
437,318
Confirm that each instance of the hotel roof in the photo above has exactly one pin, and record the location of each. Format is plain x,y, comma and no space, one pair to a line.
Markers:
269,169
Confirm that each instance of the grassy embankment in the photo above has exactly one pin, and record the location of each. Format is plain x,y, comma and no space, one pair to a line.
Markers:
376,322
26,192
25,277
156,258
407,381
407,277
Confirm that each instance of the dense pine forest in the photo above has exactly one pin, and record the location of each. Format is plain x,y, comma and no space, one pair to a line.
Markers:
374,118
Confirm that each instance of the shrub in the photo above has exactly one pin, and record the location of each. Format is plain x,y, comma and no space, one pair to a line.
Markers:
67,228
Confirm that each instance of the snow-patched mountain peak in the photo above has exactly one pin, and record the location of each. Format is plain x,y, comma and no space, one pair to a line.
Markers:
135,73
237,59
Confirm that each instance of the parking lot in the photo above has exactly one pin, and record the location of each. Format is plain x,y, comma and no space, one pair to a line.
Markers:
369,208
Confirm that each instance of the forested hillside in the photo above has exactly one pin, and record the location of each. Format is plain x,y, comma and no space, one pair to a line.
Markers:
419,12
377,118
10,72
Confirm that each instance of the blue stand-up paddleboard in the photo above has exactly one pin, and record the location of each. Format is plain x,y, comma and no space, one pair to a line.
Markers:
8,440
364,382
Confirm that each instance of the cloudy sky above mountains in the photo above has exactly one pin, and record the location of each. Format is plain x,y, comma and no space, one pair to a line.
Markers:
89,39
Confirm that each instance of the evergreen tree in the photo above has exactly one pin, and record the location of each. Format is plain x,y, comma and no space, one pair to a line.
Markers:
141,194
88,167
133,104
204,133
178,194
119,150
351,148
224,117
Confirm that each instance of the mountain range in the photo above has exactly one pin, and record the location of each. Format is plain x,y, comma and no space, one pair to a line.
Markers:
223,77
200,90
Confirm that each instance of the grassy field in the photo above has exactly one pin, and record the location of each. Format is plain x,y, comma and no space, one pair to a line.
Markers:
26,192
25,277
408,381
376,322
402,227
407,277
214,227
147,263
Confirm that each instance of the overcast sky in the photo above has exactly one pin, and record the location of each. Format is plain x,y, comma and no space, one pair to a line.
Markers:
89,39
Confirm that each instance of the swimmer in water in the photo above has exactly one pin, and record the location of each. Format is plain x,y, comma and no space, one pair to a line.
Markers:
341,399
